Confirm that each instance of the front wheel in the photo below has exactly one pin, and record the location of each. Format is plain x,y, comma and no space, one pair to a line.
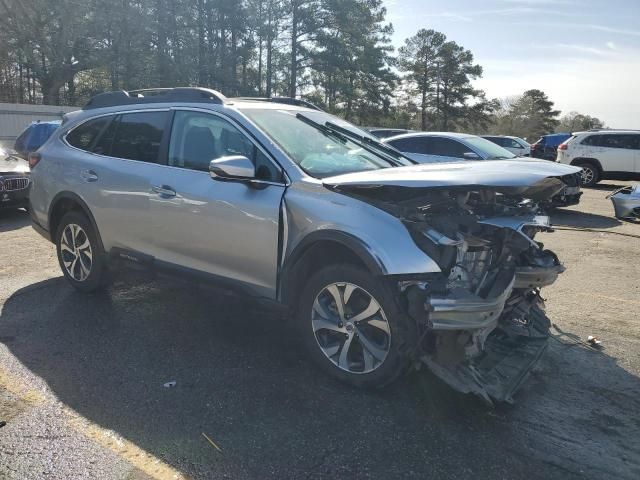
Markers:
79,253
589,175
352,328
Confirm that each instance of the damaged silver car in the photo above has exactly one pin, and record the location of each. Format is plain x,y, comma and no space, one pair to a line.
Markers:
381,263
626,202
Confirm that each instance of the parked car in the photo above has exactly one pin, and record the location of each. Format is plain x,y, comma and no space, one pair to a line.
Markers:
380,262
34,136
14,181
381,132
603,154
515,145
547,145
436,147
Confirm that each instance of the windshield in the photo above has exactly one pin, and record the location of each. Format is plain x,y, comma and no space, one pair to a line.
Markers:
320,152
488,149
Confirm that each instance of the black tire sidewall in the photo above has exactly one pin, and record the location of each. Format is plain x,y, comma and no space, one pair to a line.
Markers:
397,358
95,280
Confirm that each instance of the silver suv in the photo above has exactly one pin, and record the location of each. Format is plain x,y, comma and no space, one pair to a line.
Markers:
382,263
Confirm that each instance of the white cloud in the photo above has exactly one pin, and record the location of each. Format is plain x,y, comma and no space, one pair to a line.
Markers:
607,88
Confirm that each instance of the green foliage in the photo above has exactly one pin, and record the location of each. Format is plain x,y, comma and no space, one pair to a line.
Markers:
575,122
528,116
439,74
336,53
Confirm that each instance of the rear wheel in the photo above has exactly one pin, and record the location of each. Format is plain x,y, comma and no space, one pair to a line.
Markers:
351,327
79,253
590,174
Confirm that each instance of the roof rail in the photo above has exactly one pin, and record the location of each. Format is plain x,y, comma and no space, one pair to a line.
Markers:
608,129
155,95
285,100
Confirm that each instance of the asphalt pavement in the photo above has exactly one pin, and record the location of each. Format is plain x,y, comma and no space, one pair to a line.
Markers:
82,381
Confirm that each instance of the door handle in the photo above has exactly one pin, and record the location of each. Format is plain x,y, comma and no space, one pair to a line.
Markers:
89,175
164,190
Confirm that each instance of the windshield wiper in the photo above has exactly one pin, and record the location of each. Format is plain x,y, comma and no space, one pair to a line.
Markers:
323,128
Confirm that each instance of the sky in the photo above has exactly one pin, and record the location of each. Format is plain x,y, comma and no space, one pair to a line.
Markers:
584,54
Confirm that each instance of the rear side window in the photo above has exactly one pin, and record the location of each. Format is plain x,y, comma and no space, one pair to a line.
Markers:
510,143
593,141
496,140
446,147
626,141
138,136
84,136
412,145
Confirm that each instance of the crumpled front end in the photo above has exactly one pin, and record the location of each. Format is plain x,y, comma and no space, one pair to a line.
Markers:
485,325
481,321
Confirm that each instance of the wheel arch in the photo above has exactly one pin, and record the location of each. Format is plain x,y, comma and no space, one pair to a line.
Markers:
593,161
65,202
322,248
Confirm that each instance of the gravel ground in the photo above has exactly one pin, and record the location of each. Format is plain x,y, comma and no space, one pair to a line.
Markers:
82,395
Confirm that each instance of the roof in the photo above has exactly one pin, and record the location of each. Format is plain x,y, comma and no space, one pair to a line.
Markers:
606,130
431,134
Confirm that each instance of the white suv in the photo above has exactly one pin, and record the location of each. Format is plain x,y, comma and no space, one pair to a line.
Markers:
603,154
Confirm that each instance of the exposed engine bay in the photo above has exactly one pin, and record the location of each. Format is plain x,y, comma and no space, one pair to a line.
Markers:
481,321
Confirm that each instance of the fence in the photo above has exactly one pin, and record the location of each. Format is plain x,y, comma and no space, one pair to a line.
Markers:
16,117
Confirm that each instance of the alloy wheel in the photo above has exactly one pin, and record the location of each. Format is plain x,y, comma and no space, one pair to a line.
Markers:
75,249
587,175
351,328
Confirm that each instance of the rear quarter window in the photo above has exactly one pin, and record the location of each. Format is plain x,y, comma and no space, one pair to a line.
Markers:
84,136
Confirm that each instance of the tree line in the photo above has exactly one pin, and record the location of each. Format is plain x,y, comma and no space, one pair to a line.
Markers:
334,53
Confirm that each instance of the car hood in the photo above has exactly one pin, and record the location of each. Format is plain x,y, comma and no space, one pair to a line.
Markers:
536,179
13,165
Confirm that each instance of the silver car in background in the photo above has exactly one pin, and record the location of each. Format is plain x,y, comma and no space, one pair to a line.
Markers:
447,147
516,145
380,262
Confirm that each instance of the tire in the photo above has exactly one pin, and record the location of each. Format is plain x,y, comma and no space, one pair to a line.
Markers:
83,263
590,174
378,347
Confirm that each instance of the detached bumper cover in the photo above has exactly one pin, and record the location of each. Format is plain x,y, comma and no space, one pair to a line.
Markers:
626,202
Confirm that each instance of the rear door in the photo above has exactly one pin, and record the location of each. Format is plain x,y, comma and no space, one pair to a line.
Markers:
618,152
111,171
229,229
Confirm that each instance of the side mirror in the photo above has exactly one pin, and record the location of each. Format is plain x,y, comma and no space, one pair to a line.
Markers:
233,167
471,156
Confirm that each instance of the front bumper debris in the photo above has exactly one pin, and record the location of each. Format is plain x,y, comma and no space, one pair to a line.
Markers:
462,310
626,202
537,277
504,363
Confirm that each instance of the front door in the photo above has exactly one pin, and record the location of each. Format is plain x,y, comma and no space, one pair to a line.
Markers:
225,228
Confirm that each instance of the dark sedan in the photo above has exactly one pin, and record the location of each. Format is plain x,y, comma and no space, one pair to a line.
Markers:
14,181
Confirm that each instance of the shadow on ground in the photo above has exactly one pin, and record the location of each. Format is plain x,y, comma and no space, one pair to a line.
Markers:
241,380
13,219
574,218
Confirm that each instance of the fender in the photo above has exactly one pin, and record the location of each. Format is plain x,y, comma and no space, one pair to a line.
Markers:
74,197
352,243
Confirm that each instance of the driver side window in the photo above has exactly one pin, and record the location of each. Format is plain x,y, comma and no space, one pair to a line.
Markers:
197,138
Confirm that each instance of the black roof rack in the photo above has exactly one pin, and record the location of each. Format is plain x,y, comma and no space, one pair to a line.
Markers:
285,100
156,95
